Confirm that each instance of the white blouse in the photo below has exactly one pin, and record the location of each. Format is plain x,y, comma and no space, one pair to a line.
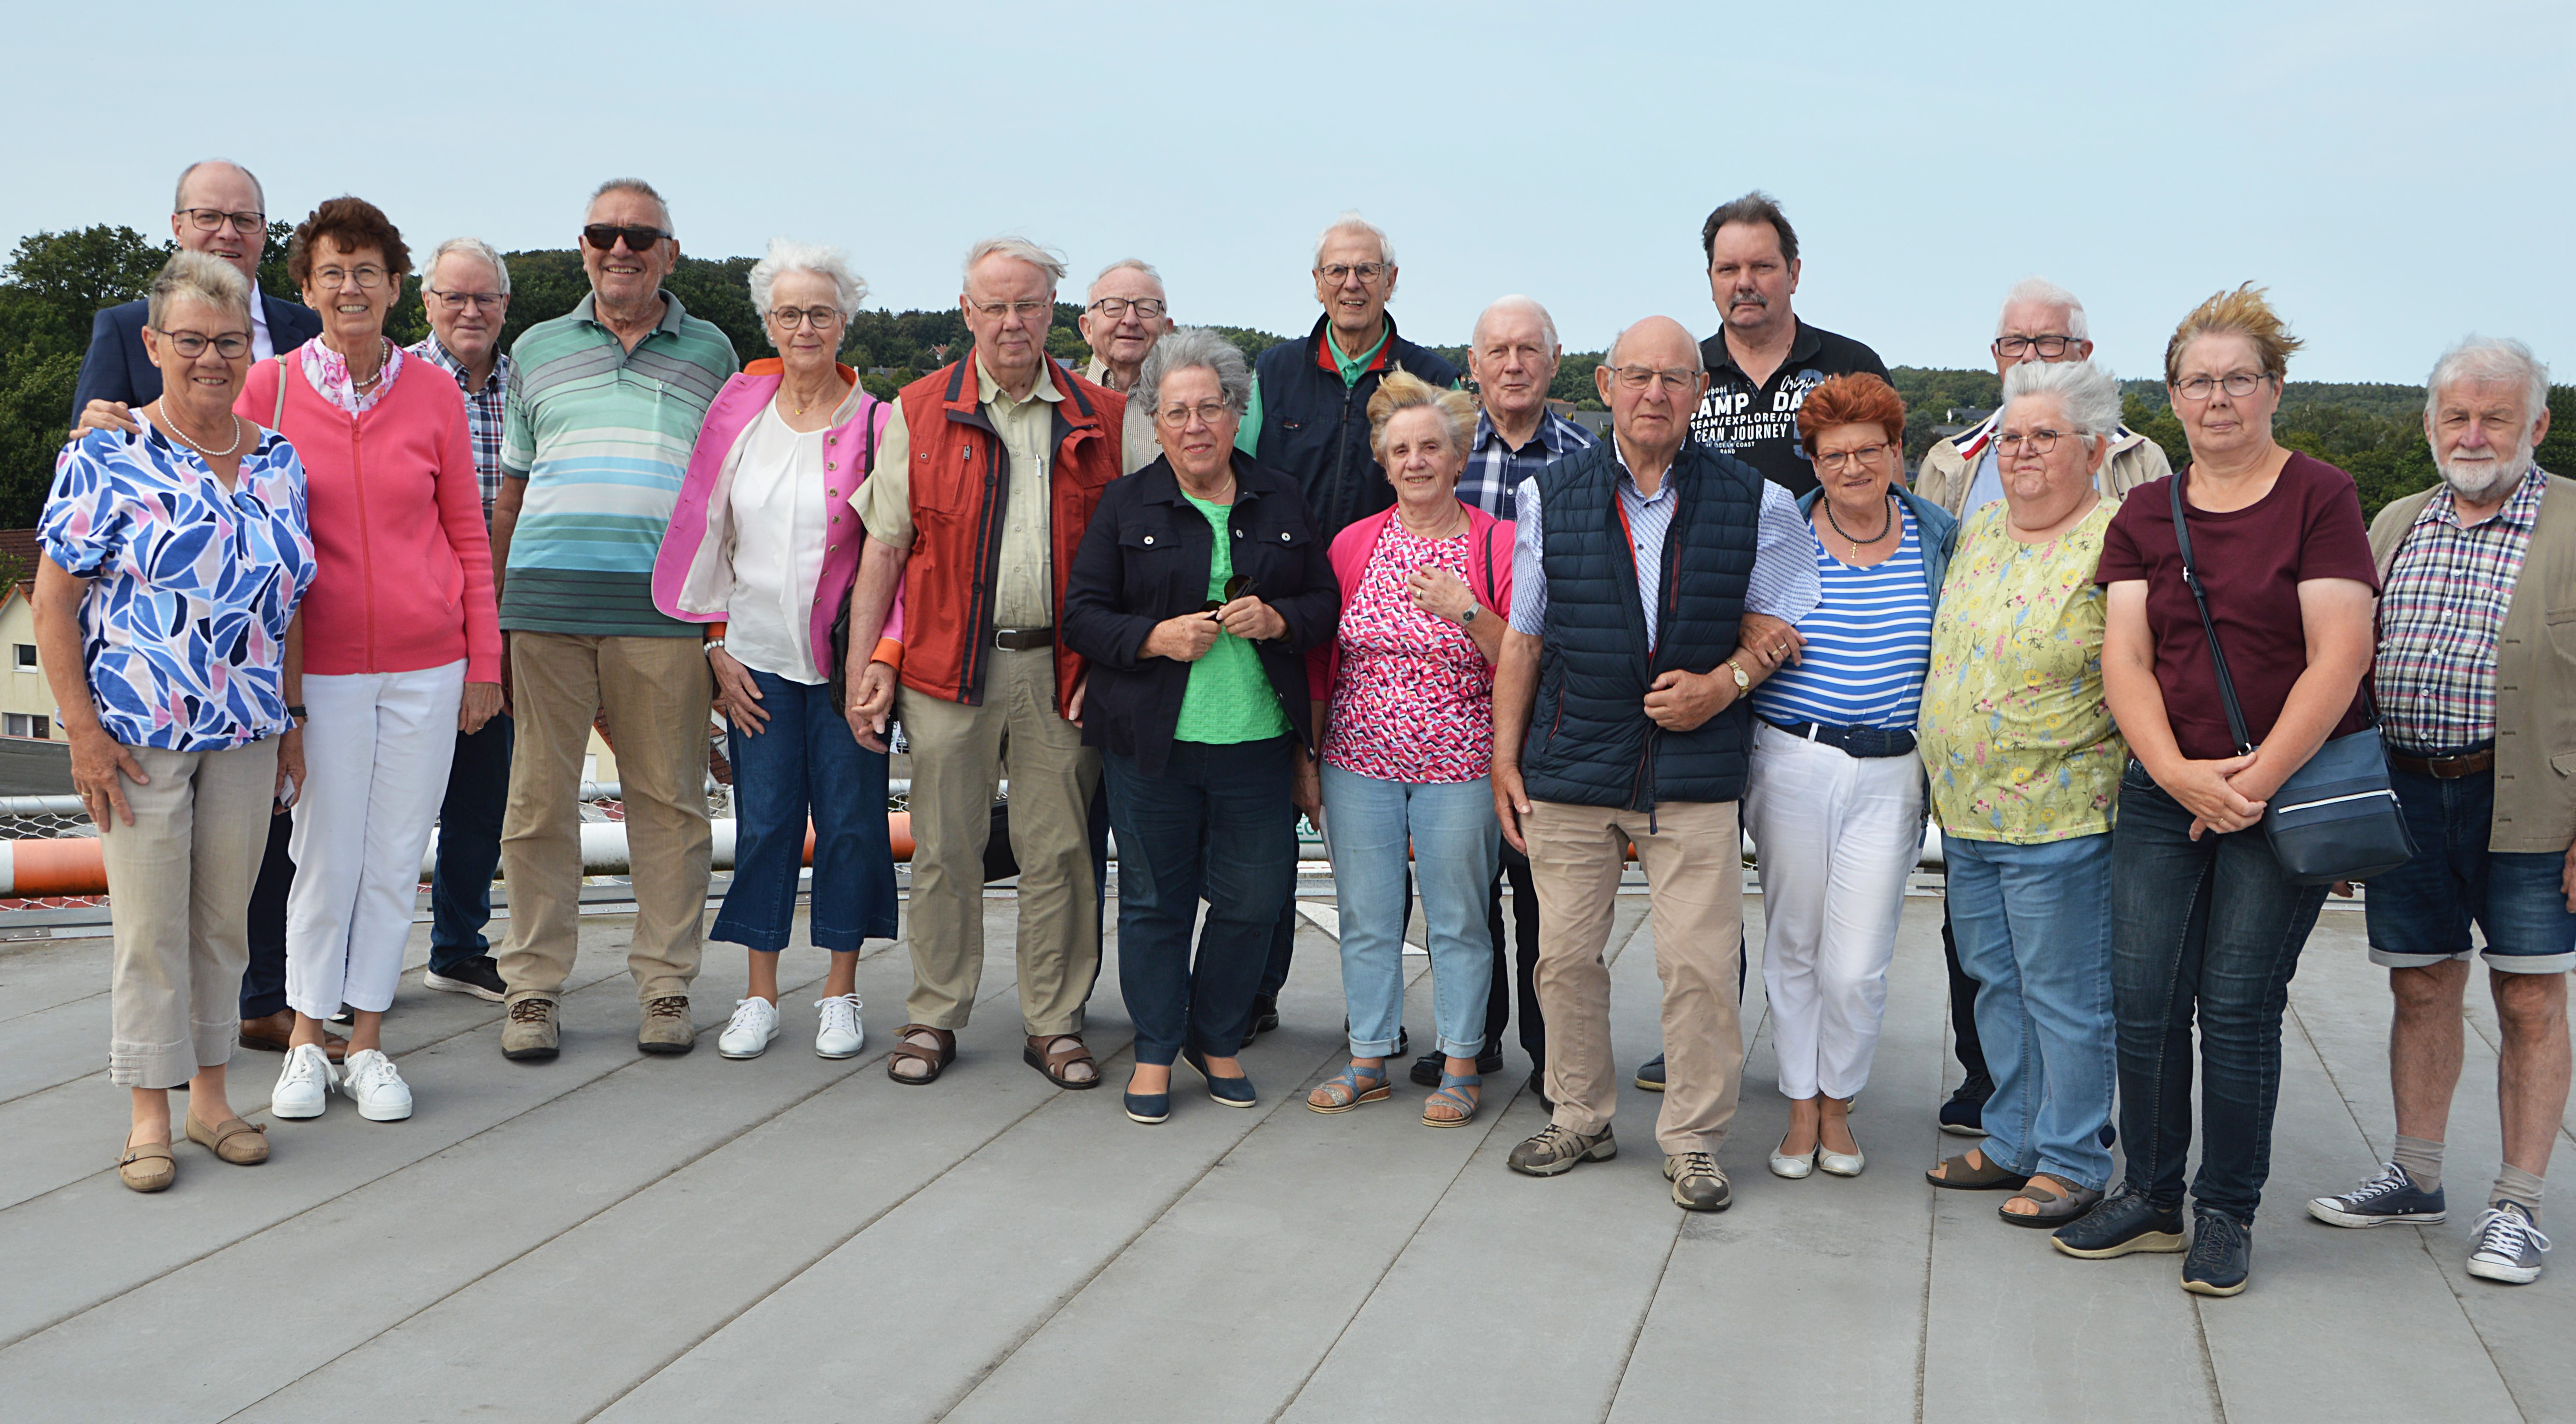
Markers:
776,503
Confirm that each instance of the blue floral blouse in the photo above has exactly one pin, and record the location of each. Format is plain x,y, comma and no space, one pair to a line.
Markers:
183,626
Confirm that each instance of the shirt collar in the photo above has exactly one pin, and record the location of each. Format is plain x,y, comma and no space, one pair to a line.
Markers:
429,348
2521,509
988,390
1549,435
1351,368
587,309
1628,479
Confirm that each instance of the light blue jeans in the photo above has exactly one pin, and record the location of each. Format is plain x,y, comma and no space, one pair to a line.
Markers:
2034,929
1456,847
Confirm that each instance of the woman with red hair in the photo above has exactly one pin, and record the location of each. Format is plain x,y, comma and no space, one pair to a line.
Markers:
1835,801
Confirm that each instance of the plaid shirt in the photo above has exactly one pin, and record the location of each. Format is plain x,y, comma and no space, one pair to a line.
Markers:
2439,615
1495,470
482,413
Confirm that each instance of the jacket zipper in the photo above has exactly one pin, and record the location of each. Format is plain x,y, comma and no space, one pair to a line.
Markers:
366,537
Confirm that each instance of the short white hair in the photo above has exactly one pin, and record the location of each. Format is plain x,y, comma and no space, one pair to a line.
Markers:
638,187
1699,358
1514,302
2039,291
191,275
1352,222
2490,358
1124,264
1045,259
787,255
2087,395
473,247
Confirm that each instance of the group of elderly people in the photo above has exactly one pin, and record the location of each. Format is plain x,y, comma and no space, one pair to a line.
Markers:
1185,578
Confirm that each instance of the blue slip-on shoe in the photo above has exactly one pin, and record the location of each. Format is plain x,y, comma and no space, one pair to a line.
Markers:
1235,1092
1149,1108
1650,1074
2391,1196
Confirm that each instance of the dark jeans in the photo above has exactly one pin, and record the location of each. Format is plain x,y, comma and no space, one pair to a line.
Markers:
806,763
1522,948
1963,1005
2204,930
469,845
1217,820
263,989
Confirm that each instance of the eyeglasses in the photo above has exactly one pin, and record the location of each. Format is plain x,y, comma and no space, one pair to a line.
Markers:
819,318
1115,308
459,301
1335,274
2240,385
1208,412
214,219
366,275
2038,442
639,240
1236,587
1635,378
1025,311
2013,348
1864,456
232,345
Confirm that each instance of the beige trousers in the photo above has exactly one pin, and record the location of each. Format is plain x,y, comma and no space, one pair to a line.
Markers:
959,753
178,886
1694,864
656,692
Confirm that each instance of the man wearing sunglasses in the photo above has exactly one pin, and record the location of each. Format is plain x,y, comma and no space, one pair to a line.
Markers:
1123,315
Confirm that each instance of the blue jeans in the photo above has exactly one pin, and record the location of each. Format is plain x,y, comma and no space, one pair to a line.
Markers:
2204,930
2034,929
1456,845
1216,821
806,762
2420,913
469,845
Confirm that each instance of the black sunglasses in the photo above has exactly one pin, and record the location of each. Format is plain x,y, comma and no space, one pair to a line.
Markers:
1236,587
639,240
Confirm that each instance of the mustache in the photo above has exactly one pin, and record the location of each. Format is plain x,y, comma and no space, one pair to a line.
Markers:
1746,296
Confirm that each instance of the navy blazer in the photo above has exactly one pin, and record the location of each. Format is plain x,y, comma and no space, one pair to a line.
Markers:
116,368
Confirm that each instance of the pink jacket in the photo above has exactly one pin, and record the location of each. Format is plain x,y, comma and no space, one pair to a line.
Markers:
403,564
1489,578
693,574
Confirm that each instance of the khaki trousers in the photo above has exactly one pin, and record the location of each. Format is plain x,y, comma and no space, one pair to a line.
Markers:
178,885
958,755
656,692
1694,864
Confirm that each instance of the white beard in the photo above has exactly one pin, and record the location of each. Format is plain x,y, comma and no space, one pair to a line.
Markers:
2480,481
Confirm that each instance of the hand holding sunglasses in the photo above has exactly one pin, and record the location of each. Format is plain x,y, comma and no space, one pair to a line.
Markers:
1245,615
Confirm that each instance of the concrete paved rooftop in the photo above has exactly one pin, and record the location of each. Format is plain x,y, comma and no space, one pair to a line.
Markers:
618,1237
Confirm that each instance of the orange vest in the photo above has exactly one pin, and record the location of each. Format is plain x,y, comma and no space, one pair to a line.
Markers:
959,481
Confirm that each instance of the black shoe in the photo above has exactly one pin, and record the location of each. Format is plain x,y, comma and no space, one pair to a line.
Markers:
477,976
1265,1017
1538,1089
2109,1135
2222,1254
1650,1074
1965,1114
2119,1224
1428,1068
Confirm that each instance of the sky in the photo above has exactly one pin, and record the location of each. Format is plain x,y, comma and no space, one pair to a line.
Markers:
2398,175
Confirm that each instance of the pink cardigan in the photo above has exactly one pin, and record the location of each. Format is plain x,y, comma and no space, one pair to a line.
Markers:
1489,578
693,573
402,562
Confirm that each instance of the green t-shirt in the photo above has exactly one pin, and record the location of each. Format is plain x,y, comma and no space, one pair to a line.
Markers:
1229,698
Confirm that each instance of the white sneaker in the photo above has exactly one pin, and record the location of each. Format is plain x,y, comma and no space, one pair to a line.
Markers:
839,1034
304,1084
376,1086
747,1035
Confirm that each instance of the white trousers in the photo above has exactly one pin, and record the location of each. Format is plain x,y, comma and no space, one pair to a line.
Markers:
1836,836
376,754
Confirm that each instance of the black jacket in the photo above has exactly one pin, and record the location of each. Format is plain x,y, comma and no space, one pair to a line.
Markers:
1316,429
116,368
1145,558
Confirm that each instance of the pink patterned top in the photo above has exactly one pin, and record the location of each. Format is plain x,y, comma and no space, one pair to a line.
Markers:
1414,701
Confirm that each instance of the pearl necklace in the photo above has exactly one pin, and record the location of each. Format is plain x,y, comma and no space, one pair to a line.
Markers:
193,442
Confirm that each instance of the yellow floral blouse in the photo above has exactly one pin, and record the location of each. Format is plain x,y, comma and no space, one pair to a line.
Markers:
2015,733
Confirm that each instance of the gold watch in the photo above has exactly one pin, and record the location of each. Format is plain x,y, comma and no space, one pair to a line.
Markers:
1743,684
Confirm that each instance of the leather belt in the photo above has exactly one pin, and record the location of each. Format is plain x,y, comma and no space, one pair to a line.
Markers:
2450,768
1020,640
1852,741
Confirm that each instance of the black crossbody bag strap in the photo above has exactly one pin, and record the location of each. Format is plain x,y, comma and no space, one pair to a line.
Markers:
2217,655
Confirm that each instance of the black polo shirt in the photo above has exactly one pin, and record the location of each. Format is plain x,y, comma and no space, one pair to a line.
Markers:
1759,424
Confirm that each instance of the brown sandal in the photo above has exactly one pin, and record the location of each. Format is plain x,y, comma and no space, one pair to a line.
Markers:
1049,1054
147,1167
233,1140
907,1051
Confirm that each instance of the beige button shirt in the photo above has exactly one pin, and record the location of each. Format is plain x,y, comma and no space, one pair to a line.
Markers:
1026,595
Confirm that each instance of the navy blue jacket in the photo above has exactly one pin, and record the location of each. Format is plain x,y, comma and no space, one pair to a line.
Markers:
117,370
1316,429
1590,741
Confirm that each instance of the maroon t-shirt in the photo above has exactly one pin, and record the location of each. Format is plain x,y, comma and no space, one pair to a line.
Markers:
2251,562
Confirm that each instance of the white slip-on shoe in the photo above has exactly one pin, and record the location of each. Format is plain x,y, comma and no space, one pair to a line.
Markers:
838,1033
1840,1164
304,1084
1793,1168
376,1086
747,1035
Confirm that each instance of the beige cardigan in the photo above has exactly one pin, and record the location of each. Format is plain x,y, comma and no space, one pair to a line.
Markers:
1950,466
2535,766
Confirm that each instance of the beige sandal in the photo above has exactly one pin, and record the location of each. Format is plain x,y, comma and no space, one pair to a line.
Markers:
233,1140
147,1167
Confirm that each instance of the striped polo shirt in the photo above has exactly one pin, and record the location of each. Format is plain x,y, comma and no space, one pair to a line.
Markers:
1869,645
602,436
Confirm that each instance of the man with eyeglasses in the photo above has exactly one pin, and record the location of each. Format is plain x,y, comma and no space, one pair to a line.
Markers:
598,422
465,289
219,209
1763,360
1123,315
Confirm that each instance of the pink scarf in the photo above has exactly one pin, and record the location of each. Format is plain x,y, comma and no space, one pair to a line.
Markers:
328,370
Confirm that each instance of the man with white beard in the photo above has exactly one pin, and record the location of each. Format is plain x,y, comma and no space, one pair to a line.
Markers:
2477,701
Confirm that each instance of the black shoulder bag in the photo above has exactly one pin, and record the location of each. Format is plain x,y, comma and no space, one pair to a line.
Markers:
2336,818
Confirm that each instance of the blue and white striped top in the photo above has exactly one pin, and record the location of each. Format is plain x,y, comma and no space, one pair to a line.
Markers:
1869,645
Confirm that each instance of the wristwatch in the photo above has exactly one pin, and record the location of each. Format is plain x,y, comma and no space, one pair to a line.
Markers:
1743,684
1467,617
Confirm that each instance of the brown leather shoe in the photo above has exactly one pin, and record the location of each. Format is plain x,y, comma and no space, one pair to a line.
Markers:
271,1034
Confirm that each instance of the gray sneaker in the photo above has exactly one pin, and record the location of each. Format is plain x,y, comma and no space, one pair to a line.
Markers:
1698,1184
2509,1246
528,1035
2392,1196
1556,1149
667,1028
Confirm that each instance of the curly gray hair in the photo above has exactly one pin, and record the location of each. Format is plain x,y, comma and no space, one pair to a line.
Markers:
1187,347
2087,394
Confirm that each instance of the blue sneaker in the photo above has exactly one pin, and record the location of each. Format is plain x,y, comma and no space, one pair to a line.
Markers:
2509,1246
2392,1196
